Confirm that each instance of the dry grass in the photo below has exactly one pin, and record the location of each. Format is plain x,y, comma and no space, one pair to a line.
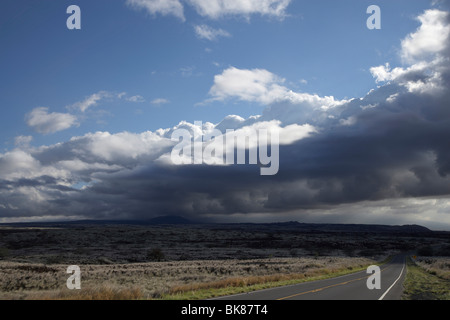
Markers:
421,284
156,279
309,270
438,266
100,293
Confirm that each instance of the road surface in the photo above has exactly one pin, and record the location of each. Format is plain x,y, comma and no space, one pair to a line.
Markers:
348,287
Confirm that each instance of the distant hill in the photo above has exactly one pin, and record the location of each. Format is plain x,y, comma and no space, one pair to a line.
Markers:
367,228
329,227
268,227
161,220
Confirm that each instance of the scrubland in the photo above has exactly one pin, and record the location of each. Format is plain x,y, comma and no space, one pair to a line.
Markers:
428,278
153,280
159,262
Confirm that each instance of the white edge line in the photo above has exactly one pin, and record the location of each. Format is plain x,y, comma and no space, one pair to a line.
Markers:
384,294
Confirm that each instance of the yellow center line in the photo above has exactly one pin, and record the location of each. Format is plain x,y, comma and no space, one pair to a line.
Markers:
327,287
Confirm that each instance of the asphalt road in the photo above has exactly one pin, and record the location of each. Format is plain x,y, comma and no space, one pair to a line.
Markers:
348,287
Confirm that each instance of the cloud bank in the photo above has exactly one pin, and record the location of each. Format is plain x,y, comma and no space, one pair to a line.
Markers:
383,156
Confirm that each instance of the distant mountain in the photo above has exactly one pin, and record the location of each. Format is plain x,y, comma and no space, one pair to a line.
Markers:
329,227
268,227
161,220
369,228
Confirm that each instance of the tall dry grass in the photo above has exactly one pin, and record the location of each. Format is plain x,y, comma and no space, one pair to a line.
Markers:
98,293
155,279
439,266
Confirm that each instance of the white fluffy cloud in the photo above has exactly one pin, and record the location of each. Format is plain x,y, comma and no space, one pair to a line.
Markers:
429,39
19,165
426,51
44,122
262,86
119,147
249,85
17,162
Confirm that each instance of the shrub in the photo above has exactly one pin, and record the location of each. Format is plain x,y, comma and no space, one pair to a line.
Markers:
156,254
54,259
4,252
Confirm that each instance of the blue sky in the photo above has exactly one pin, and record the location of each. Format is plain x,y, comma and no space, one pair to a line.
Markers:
317,47
363,114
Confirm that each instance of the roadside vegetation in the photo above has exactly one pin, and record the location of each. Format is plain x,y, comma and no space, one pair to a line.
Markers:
193,261
248,284
169,280
428,278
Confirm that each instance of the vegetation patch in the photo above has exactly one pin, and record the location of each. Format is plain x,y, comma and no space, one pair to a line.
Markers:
248,284
422,283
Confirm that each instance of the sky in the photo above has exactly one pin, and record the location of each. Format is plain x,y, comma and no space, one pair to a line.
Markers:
87,115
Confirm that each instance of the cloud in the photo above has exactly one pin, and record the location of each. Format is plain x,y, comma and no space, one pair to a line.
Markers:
264,87
137,99
380,158
160,101
429,39
426,51
93,100
163,7
213,9
44,122
23,141
211,34
249,85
